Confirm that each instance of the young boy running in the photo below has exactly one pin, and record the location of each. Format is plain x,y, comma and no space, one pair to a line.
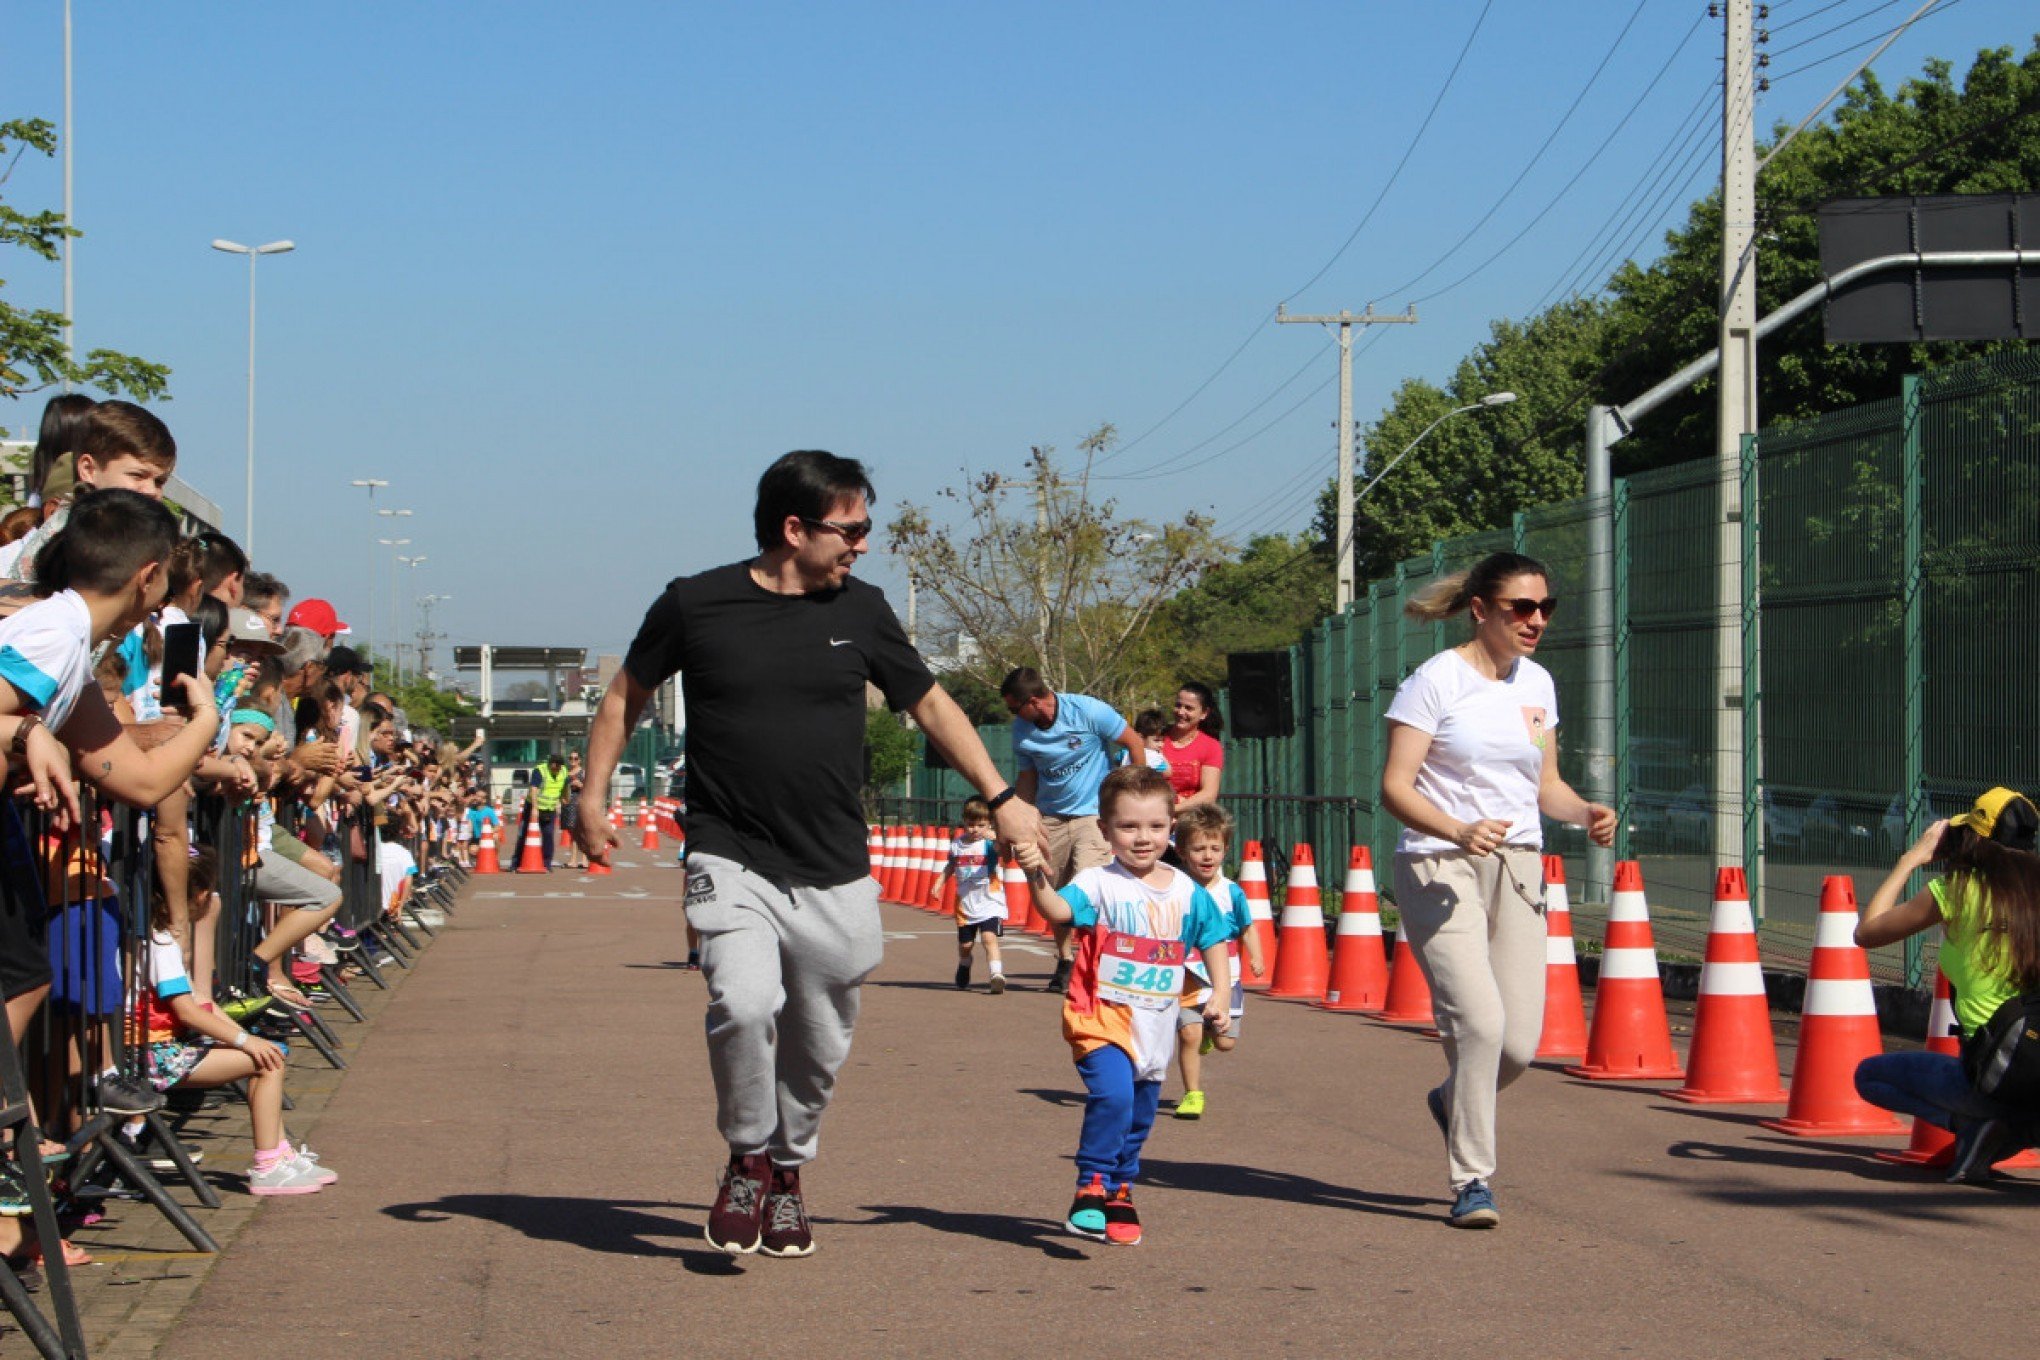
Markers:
980,897
1137,921
1203,833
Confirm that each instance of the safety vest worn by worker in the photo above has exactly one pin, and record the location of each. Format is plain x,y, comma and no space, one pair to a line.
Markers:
551,787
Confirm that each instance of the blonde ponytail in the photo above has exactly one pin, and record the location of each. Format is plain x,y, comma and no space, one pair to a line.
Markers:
1441,599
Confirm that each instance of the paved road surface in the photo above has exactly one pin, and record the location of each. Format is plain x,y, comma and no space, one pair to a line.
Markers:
527,1148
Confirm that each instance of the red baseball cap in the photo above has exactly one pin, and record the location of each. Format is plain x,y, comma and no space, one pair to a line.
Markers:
318,616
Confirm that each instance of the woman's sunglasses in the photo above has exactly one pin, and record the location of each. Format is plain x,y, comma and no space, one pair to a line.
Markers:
1522,607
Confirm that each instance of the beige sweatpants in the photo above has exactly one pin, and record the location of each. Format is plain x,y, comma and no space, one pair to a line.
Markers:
1476,924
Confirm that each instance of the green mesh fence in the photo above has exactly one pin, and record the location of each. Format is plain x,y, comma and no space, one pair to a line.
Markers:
1895,599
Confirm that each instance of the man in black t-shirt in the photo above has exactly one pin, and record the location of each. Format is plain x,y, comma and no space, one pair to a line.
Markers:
774,655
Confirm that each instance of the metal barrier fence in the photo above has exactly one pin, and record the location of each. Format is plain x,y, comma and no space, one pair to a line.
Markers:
1891,621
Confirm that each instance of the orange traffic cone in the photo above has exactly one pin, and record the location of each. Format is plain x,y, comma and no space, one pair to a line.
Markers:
895,863
485,854
1019,897
1630,1037
532,861
1409,991
650,836
1837,1030
1565,1014
616,814
874,846
1733,1060
924,871
945,898
1301,962
1253,881
1359,979
1931,1144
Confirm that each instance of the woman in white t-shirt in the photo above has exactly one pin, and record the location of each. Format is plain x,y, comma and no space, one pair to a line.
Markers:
1472,762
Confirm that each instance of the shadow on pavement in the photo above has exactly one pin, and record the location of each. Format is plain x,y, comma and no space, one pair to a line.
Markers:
1067,1099
618,1227
1217,1178
1048,1238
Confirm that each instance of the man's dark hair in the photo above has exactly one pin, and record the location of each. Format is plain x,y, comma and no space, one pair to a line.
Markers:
219,557
806,483
107,539
344,661
61,420
1023,683
259,587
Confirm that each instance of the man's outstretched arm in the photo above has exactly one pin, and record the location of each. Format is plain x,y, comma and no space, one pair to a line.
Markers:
949,728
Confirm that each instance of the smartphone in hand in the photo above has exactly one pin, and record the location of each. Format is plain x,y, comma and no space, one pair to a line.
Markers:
180,658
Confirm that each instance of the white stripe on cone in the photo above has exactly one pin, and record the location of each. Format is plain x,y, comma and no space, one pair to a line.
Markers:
1628,905
1835,930
1559,949
1358,923
1731,979
1305,915
1624,964
1839,996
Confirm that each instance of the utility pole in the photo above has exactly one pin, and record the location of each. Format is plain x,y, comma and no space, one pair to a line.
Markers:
426,637
1736,415
1343,581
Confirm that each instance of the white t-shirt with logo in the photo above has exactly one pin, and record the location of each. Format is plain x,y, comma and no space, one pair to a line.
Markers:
1488,739
980,892
46,654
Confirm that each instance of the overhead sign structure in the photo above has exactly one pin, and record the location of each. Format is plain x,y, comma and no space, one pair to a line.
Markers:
1983,302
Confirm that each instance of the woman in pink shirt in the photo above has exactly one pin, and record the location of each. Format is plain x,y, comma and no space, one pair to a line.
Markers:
1191,745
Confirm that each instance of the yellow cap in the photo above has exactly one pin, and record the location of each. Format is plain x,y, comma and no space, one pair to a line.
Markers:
1983,817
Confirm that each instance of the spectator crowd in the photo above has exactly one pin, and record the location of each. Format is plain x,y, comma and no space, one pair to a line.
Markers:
214,824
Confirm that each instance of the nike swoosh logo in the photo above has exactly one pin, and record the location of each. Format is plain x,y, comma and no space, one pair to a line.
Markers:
843,642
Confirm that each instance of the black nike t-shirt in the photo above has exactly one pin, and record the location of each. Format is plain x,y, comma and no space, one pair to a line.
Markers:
774,686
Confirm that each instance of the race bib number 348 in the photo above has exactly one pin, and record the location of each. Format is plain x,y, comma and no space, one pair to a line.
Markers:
1139,972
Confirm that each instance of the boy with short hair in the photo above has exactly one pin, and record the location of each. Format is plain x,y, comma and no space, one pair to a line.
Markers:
1203,834
1139,918
120,447
980,896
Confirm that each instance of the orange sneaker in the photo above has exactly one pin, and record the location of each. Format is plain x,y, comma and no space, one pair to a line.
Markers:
1122,1220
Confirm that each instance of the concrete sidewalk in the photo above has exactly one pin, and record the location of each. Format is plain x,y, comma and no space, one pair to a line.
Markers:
528,1149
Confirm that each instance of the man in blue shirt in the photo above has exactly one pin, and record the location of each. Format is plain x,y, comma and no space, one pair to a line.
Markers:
1061,754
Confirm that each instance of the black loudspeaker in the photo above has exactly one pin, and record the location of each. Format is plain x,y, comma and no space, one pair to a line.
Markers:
1257,686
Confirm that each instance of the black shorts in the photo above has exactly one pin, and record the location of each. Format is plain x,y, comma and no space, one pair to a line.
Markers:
968,934
24,920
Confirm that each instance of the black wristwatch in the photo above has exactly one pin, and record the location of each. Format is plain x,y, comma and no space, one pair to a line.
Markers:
999,800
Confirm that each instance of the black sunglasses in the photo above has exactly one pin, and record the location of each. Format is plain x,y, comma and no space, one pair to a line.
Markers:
852,533
1522,607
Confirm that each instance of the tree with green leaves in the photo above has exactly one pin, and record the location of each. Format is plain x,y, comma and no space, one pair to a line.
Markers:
1266,599
1060,582
32,352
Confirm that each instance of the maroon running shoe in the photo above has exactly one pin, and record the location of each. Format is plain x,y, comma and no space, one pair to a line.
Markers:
787,1231
736,1221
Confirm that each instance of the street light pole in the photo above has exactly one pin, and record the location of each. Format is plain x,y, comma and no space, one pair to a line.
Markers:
393,544
397,627
371,483
1491,399
236,248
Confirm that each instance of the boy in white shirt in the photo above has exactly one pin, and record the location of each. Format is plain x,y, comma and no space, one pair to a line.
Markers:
980,896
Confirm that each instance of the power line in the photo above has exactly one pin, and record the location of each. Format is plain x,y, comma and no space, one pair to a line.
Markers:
1616,219
1530,164
1859,46
1589,270
1408,151
1851,22
1810,14
1226,429
1344,246
1237,444
1555,199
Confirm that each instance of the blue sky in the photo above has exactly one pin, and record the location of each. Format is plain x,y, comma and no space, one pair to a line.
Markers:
570,276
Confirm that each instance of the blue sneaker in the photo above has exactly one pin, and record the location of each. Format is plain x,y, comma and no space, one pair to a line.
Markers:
1087,1211
1475,1207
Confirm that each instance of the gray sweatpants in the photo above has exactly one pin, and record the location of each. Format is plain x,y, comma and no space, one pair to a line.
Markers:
783,967
1476,924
